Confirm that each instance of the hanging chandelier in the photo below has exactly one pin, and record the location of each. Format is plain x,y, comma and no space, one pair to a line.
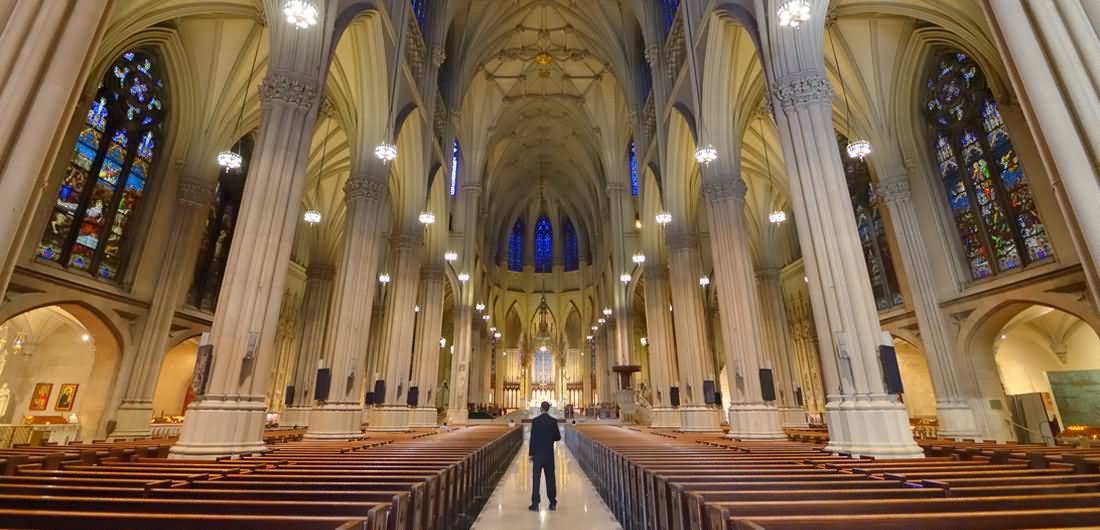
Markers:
704,281
793,12
625,277
301,13
427,218
312,217
638,258
450,256
384,278
664,218
386,152
777,216
230,160
706,154
859,149
607,311
463,277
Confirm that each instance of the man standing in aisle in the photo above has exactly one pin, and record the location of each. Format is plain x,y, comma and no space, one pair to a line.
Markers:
544,432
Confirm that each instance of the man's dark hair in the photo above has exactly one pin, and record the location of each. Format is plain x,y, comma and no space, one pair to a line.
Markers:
545,406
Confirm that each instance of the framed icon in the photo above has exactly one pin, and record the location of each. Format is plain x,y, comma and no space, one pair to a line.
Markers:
41,396
66,397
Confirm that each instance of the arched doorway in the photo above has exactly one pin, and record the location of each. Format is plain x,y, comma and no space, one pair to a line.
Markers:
58,367
919,394
174,382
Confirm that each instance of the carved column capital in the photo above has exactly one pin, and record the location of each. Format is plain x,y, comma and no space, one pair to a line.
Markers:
802,89
725,188
894,189
281,87
194,192
438,56
652,55
365,187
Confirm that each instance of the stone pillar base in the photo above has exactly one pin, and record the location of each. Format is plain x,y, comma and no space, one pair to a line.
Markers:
389,418
755,421
956,420
794,417
133,420
699,419
664,418
875,425
295,416
424,417
213,428
335,421
458,416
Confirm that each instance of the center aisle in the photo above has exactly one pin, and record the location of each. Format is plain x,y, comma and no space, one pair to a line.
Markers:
579,505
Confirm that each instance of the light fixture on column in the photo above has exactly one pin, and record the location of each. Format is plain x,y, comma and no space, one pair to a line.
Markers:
384,278
588,338
664,218
637,223
301,13
463,277
385,152
485,317
706,154
607,311
793,12
230,159
442,342
645,341
777,217
85,337
426,218
601,321
497,335
450,256
480,307
638,258
416,309
493,329
625,277
704,281
857,147
595,328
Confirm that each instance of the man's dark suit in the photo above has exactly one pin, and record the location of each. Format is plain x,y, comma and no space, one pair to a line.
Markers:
544,432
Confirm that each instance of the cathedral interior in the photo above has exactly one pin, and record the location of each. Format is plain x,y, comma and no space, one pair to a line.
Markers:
859,228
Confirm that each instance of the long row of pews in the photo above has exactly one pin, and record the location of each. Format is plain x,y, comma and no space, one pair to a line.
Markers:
398,481
668,481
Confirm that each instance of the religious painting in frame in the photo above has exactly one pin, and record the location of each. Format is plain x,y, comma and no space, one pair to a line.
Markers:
41,396
66,396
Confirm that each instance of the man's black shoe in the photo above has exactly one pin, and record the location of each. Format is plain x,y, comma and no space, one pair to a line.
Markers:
533,507
553,506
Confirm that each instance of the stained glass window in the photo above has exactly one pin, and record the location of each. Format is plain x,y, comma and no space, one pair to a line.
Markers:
106,177
544,245
633,171
218,233
515,247
454,170
872,232
668,12
420,11
987,193
569,239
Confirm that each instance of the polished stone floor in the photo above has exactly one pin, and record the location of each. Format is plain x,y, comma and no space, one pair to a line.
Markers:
579,506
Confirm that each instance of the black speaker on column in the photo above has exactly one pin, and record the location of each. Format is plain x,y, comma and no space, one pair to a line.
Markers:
708,392
767,384
674,396
891,375
798,397
718,398
288,396
414,396
369,398
324,381
379,392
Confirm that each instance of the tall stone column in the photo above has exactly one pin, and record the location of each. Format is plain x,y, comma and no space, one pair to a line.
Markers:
750,417
956,417
229,417
862,418
192,202
393,415
315,315
662,347
340,416
46,51
426,367
466,225
689,319
777,340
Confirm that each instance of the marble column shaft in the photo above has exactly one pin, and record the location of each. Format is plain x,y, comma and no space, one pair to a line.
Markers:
955,416
466,224
401,312
742,338
777,338
229,417
180,251
689,321
46,52
662,347
429,329
315,315
340,416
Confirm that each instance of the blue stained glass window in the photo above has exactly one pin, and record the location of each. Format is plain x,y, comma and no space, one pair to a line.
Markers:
544,246
106,176
633,170
991,202
569,239
515,247
420,10
454,170
668,12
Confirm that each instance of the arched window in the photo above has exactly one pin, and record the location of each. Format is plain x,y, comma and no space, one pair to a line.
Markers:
569,239
987,192
515,247
544,246
872,233
454,170
218,233
420,11
105,180
633,171
668,12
